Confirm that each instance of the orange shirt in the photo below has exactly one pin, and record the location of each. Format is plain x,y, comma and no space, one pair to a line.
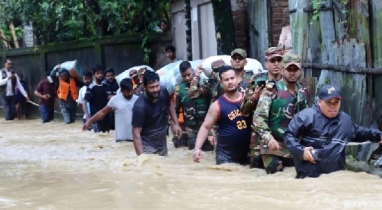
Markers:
180,118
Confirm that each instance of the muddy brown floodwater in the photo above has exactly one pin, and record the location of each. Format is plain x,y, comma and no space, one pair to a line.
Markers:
56,166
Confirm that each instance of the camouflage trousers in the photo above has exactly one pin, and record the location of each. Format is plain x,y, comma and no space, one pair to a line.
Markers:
189,137
263,157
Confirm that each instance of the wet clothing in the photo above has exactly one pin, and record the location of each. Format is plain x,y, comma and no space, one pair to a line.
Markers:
274,111
46,107
97,97
65,89
123,113
68,109
153,119
194,108
9,106
47,113
45,87
234,132
328,137
112,88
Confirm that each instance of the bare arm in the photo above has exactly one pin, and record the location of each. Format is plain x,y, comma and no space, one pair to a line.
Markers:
209,122
100,114
85,109
137,140
172,113
36,93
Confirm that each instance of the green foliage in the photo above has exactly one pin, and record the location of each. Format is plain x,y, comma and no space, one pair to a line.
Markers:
317,4
57,21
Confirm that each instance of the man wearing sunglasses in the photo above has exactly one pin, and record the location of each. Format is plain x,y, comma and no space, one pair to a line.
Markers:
278,103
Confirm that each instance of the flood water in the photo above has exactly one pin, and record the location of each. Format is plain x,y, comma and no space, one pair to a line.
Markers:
57,166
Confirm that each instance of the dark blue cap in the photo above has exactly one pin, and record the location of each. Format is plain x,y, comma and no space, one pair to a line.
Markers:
328,92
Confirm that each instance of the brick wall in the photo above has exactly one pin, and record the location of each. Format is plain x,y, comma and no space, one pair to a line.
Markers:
240,20
280,18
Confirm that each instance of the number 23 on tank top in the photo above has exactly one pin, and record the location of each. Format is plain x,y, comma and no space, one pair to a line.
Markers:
241,124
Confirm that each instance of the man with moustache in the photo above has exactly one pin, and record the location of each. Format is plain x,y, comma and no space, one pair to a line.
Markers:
97,96
193,104
234,130
86,79
122,105
150,117
274,64
278,103
8,82
238,62
317,136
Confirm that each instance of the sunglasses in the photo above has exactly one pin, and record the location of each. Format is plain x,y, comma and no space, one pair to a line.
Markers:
273,60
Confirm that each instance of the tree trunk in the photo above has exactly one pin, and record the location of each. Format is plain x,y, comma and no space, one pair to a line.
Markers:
12,28
224,27
187,12
3,39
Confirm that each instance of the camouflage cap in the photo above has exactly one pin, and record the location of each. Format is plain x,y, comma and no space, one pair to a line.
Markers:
273,52
132,72
291,59
142,71
240,52
216,65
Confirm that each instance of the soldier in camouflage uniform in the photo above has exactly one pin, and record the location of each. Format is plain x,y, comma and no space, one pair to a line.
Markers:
273,63
138,89
195,101
278,103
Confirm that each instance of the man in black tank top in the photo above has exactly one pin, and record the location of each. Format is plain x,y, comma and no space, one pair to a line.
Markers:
234,136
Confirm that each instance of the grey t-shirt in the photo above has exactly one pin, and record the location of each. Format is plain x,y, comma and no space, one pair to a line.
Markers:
123,109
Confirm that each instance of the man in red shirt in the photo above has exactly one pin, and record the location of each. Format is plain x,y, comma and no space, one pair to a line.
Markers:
46,91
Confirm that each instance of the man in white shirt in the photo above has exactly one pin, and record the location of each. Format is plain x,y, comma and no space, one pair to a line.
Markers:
86,79
9,81
122,104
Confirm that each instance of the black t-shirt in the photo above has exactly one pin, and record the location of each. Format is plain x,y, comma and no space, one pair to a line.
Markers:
97,96
152,117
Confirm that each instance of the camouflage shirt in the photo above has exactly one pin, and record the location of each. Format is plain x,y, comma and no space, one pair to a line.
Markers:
248,106
138,90
275,109
194,100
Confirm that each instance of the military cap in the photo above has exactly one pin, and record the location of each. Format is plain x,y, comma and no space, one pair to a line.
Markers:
273,52
142,71
291,59
239,51
216,65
